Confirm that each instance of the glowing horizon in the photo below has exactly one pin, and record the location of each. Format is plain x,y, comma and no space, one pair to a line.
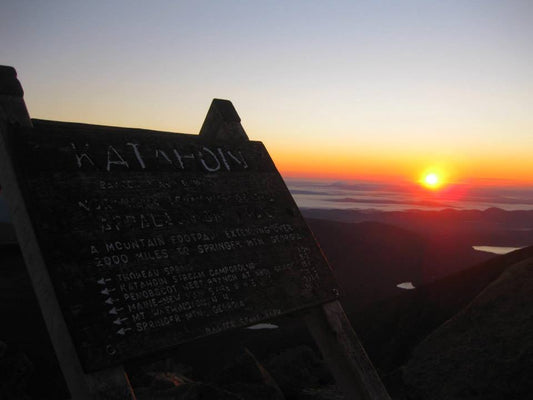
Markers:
379,167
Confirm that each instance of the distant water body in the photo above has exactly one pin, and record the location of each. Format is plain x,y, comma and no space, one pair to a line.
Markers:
406,285
496,249
401,197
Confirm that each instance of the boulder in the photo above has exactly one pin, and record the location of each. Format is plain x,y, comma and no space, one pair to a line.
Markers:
15,372
298,368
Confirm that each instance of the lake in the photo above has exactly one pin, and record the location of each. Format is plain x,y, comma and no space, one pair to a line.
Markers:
496,249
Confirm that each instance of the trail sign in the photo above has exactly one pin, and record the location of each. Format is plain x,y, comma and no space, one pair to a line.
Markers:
152,239
137,240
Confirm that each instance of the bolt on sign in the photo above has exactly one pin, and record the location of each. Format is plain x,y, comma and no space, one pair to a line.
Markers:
152,239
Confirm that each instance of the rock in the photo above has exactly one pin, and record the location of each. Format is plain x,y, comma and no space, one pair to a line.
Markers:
167,380
486,350
161,374
242,377
297,369
15,372
246,377
330,392
187,391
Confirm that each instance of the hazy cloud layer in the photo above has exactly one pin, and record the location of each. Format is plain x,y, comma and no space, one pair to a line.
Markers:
384,196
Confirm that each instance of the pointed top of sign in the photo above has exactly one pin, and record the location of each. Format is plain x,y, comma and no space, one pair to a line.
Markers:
223,123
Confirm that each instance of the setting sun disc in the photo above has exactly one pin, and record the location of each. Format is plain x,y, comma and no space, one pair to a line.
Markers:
432,180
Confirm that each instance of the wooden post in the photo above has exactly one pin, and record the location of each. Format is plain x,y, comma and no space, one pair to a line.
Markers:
328,324
344,353
110,384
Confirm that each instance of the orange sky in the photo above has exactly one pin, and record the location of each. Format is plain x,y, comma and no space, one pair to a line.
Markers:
338,163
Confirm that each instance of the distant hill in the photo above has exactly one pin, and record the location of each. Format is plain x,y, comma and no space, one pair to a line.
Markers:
370,258
390,329
491,227
486,350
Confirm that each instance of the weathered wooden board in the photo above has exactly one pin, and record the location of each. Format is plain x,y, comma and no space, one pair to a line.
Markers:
153,239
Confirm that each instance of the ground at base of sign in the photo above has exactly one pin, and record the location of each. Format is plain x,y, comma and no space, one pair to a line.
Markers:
288,374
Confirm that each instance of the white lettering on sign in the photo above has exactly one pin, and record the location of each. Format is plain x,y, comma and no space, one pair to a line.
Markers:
117,157
112,152
161,153
135,147
212,168
82,156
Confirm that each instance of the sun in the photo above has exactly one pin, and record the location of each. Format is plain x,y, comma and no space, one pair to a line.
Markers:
432,180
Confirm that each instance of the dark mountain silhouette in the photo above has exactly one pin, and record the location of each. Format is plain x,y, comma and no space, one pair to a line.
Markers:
370,258
390,329
486,350
491,227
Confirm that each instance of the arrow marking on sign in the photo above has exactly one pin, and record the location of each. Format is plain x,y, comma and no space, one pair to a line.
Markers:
106,291
122,331
119,321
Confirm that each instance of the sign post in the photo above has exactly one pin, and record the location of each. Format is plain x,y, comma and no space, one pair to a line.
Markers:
137,241
109,384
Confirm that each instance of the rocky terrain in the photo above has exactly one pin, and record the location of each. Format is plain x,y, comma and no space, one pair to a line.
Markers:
391,328
486,350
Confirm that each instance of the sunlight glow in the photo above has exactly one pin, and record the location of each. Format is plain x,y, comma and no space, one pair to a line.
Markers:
432,180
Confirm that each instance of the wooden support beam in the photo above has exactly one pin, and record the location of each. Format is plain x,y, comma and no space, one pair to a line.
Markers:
111,384
344,353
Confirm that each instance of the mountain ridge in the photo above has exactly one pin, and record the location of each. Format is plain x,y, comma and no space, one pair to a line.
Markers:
485,350
413,315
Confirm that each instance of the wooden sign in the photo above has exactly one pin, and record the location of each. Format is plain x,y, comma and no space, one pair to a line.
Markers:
152,239
136,240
